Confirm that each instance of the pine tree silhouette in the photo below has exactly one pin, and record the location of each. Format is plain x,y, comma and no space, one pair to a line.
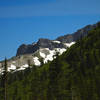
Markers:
5,79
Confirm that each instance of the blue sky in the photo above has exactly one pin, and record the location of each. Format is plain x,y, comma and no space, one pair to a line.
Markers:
25,21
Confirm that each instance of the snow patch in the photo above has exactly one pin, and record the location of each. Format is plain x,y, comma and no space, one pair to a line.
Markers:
1,70
56,41
51,54
69,44
23,67
45,53
46,49
49,57
36,61
42,55
12,67
60,50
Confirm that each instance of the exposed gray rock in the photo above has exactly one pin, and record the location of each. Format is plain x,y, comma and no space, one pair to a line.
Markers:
27,49
42,43
66,38
77,35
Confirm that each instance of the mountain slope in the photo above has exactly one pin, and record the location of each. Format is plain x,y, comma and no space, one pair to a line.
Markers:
75,75
41,55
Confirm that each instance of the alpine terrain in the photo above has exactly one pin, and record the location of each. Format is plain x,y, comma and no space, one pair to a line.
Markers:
54,75
44,50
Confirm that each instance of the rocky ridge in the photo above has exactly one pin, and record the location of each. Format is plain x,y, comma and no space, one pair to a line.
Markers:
57,43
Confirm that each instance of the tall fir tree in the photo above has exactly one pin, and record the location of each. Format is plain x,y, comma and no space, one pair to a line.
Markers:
5,79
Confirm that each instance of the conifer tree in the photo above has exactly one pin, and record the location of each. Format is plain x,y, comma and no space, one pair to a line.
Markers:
5,79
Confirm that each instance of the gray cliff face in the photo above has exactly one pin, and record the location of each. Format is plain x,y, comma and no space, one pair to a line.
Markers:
26,49
66,38
42,43
83,32
77,35
46,43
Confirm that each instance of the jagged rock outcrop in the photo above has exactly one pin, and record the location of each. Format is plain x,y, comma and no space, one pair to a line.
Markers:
45,43
66,38
42,43
27,49
77,35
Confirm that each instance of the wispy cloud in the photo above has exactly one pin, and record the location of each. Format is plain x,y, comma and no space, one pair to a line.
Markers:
58,8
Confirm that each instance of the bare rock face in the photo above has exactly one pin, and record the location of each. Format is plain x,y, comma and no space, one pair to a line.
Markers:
83,32
66,38
45,43
77,35
26,49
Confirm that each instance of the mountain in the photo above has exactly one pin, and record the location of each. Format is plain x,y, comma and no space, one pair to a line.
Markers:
77,35
44,49
58,43
42,43
74,75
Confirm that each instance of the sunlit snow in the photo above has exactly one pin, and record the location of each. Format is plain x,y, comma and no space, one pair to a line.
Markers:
23,67
50,56
1,70
12,67
45,53
69,44
56,41
60,50
36,61
42,55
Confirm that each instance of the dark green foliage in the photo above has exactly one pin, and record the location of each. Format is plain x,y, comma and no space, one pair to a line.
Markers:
75,75
3,81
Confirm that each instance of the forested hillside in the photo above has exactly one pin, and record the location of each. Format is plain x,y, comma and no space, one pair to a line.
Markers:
75,75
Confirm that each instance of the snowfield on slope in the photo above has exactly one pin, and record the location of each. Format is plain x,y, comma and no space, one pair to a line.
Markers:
52,53
36,61
12,67
56,41
45,53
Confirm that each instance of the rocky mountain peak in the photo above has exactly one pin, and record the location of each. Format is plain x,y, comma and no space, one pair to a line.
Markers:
26,49
43,43
51,44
